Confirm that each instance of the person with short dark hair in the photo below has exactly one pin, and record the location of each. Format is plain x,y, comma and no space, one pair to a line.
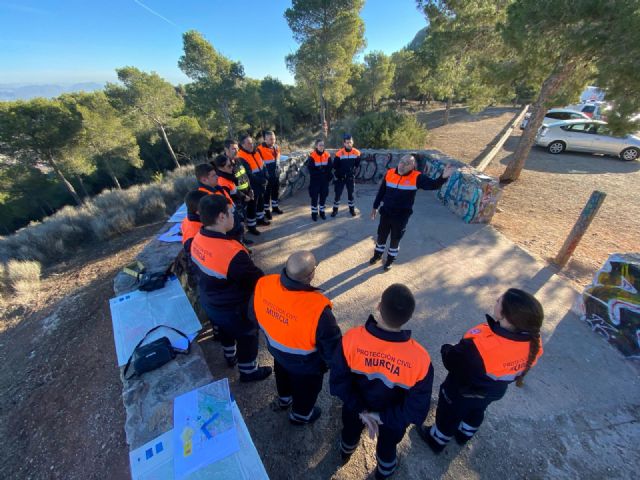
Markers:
301,333
258,179
226,279
345,164
191,224
384,379
270,153
483,364
395,199
319,166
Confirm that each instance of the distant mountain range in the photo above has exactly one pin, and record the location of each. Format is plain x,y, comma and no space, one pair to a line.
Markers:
25,92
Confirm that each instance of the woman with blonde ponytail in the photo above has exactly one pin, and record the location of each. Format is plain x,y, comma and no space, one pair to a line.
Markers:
481,366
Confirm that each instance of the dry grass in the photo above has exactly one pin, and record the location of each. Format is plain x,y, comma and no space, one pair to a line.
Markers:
21,277
105,216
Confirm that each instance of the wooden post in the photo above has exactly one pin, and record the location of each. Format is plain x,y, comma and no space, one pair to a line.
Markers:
584,220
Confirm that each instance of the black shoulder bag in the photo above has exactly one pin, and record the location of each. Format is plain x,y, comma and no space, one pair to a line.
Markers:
155,354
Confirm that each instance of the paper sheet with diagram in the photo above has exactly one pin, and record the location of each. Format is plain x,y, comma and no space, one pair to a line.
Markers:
204,429
173,235
134,314
154,460
179,214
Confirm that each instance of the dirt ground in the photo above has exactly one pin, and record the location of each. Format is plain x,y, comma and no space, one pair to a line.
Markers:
61,413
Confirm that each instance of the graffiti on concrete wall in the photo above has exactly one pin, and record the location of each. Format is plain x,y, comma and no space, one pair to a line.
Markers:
611,304
471,195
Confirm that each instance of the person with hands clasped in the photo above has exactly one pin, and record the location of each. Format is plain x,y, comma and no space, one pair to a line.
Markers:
384,379
481,366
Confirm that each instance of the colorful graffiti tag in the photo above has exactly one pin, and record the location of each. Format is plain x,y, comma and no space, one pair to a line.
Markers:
471,195
611,304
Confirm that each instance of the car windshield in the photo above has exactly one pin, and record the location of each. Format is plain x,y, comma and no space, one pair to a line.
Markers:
589,109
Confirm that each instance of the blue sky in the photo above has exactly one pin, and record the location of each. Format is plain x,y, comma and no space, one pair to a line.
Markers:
69,41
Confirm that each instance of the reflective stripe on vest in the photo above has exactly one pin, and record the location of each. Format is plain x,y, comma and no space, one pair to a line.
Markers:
253,159
397,364
503,359
268,154
213,255
402,182
342,153
320,160
189,228
225,182
289,318
221,191
241,172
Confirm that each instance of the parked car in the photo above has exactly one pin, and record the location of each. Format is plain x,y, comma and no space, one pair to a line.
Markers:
594,110
591,136
554,115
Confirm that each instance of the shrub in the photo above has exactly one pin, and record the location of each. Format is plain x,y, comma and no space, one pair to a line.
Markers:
22,276
389,130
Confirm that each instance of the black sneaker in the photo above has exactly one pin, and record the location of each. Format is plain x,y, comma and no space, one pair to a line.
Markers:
315,415
322,215
352,211
267,214
461,438
314,217
253,231
426,436
376,258
231,361
388,263
264,222
277,210
334,212
260,374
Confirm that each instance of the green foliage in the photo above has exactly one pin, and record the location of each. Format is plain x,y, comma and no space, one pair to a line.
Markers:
187,137
389,129
374,79
410,79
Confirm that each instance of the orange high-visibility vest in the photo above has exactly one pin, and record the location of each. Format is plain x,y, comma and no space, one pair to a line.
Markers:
222,192
320,160
503,359
288,318
342,153
225,182
397,364
268,154
402,182
213,255
189,229
253,159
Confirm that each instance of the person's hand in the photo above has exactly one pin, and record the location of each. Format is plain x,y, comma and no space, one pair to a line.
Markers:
448,170
371,421
373,214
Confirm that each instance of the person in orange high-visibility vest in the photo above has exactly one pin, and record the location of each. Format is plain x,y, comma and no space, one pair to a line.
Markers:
384,379
301,333
345,164
395,199
226,279
270,154
319,165
258,180
481,366
191,224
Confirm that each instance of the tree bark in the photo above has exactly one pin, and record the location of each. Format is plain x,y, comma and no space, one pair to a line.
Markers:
63,179
227,118
549,87
107,164
447,111
82,187
166,142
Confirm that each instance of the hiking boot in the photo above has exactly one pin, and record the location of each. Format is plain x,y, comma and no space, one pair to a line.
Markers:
461,438
377,256
388,263
231,361
277,210
322,215
253,231
284,405
260,374
334,212
314,216
267,214
425,435
315,415
263,222
352,211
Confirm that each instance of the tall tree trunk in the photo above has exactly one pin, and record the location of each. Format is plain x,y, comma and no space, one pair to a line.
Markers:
447,110
107,164
227,118
82,186
63,179
549,87
166,142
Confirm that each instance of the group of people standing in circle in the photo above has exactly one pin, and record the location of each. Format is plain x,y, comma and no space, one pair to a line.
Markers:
382,375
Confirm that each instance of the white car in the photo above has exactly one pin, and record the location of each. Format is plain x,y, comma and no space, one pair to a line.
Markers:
554,115
587,136
594,110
